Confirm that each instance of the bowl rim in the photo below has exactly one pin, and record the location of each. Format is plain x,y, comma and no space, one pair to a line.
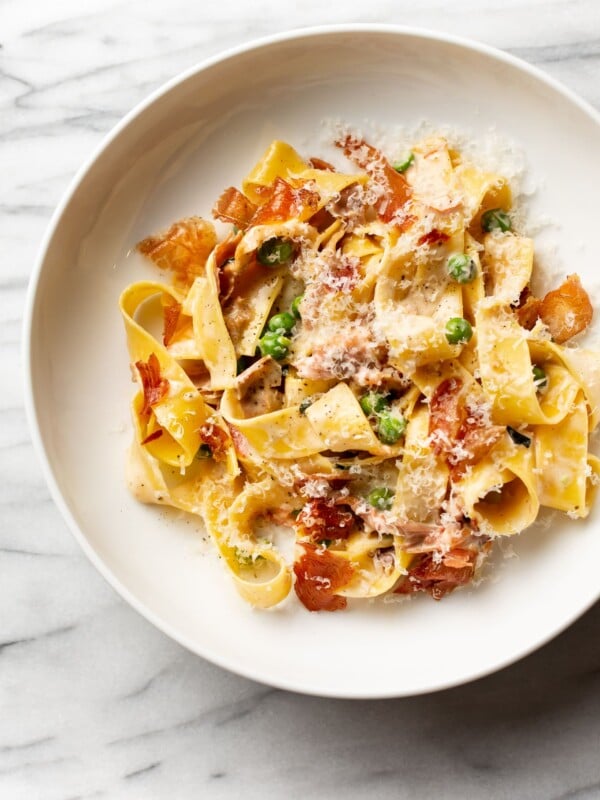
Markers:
31,409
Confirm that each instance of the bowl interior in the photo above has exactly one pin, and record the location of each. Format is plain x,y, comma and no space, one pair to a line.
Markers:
172,159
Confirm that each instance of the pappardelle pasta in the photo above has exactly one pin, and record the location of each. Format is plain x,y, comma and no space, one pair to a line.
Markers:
361,360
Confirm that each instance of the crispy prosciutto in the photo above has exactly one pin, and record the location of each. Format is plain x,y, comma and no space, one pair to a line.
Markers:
342,274
228,272
232,206
152,437
318,163
457,430
320,519
216,438
433,237
447,414
322,219
477,440
567,310
171,314
286,202
240,443
236,282
225,250
154,386
396,192
439,578
183,249
528,309
319,574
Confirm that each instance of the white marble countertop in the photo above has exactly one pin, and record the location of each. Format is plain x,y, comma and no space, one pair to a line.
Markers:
94,702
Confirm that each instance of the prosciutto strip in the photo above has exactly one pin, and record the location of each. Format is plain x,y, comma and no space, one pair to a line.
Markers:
152,437
232,206
286,202
392,205
171,313
433,237
184,248
216,438
567,310
456,432
321,519
439,578
319,574
153,385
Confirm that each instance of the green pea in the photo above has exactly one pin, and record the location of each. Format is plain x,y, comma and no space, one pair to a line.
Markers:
390,429
373,403
461,268
275,345
296,306
281,323
275,252
540,379
458,330
402,166
495,219
381,498
204,451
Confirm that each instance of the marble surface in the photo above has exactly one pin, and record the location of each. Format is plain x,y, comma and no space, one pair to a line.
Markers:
94,702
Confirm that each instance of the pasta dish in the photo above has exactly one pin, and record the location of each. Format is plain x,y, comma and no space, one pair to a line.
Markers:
362,360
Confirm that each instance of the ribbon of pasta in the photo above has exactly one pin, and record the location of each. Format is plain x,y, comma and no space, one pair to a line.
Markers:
500,492
473,292
508,262
181,411
422,476
433,178
279,434
333,422
259,573
373,572
212,339
584,367
561,458
414,299
339,422
507,372
481,191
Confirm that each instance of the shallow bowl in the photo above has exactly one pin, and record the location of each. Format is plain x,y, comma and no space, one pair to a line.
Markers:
171,157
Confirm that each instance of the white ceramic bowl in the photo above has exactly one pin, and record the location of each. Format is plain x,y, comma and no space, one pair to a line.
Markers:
171,157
